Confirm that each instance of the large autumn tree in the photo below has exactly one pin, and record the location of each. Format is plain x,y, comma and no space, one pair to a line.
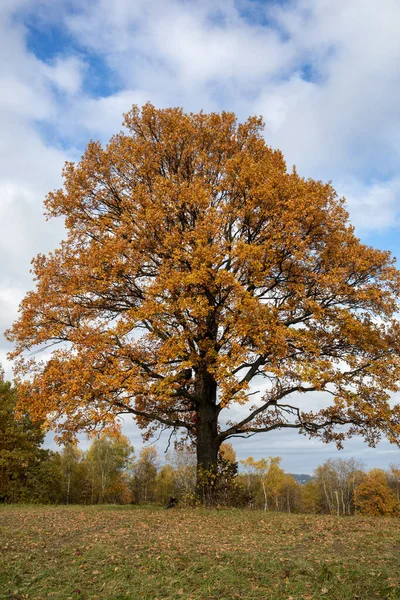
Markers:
195,265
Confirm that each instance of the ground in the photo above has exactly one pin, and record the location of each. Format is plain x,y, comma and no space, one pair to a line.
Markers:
114,553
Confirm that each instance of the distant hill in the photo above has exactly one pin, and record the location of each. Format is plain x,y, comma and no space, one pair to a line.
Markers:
301,477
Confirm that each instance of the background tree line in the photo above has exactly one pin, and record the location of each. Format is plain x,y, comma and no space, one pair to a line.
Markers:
110,472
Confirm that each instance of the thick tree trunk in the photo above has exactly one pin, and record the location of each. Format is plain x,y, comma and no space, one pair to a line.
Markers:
208,441
207,437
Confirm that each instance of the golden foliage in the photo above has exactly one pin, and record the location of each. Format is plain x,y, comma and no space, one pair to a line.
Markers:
194,262
228,453
374,497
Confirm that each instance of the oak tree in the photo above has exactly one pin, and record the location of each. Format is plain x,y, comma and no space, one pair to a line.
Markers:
196,268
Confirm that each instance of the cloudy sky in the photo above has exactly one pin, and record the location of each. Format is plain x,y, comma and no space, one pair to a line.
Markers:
324,74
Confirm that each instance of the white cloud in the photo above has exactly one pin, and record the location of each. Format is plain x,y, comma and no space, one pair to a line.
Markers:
323,75
27,233
30,166
280,99
201,51
351,121
373,207
102,117
66,73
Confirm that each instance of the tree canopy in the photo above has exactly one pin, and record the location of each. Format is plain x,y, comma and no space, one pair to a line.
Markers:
374,497
20,452
195,266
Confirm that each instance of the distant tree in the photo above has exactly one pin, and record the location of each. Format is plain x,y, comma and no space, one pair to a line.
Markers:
20,451
183,460
44,482
373,495
165,485
337,480
326,480
275,479
145,475
227,452
194,263
249,475
108,459
266,474
393,477
70,472
311,499
256,472
290,494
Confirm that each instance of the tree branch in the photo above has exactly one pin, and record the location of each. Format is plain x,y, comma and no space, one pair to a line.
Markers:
151,416
272,402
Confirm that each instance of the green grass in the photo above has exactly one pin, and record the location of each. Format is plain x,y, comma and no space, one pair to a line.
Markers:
114,553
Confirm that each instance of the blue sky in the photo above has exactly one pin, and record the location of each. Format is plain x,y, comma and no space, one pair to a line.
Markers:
324,74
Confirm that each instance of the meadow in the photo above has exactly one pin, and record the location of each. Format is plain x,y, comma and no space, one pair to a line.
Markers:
150,553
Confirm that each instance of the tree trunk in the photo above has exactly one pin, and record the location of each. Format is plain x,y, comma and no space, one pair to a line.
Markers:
208,442
68,487
207,437
327,497
337,503
265,495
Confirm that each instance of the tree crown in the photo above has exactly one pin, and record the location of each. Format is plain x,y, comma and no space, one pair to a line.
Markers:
195,261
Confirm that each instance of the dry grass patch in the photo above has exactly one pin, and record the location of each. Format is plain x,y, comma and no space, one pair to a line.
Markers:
114,553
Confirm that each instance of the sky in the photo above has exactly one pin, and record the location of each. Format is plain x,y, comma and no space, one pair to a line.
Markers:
324,75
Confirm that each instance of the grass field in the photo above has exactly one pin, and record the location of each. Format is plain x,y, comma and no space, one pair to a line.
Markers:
149,553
